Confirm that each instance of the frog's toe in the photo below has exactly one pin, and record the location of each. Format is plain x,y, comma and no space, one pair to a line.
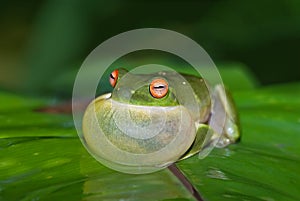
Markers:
230,135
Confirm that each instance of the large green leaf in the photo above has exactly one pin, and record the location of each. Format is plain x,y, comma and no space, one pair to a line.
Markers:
41,157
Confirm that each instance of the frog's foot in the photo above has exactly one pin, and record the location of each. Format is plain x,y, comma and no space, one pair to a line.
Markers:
223,104
230,135
202,143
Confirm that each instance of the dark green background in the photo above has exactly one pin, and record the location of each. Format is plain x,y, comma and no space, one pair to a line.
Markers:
43,43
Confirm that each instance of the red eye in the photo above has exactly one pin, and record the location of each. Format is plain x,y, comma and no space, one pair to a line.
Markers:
158,88
113,78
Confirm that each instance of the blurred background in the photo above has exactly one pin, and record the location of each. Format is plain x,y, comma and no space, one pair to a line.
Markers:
43,43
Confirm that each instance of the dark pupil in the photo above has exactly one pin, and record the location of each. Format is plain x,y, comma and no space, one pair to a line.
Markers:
111,76
159,87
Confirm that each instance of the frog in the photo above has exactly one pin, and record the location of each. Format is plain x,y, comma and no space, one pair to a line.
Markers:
150,121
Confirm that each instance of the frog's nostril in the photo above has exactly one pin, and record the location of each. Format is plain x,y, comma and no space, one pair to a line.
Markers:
123,92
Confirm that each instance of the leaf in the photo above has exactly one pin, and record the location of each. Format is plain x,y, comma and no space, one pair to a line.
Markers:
265,164
237,77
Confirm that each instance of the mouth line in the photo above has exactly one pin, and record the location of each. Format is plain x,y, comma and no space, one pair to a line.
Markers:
143,106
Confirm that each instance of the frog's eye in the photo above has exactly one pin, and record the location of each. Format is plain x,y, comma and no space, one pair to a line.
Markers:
113,78
158,88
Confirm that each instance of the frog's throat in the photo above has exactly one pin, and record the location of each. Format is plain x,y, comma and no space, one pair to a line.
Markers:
149,134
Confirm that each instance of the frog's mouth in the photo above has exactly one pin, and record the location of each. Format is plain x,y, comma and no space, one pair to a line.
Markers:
132,134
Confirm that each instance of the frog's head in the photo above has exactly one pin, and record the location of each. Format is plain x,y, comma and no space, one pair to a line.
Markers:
143,90
141,126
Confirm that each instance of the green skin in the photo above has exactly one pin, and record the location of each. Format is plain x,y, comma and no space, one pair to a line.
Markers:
132,91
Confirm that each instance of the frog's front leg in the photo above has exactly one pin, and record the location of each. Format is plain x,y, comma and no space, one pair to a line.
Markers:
201,143
222,103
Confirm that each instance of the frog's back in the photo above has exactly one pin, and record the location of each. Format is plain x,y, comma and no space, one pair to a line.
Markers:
202,95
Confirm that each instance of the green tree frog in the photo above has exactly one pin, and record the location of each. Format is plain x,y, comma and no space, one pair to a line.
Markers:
150,121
